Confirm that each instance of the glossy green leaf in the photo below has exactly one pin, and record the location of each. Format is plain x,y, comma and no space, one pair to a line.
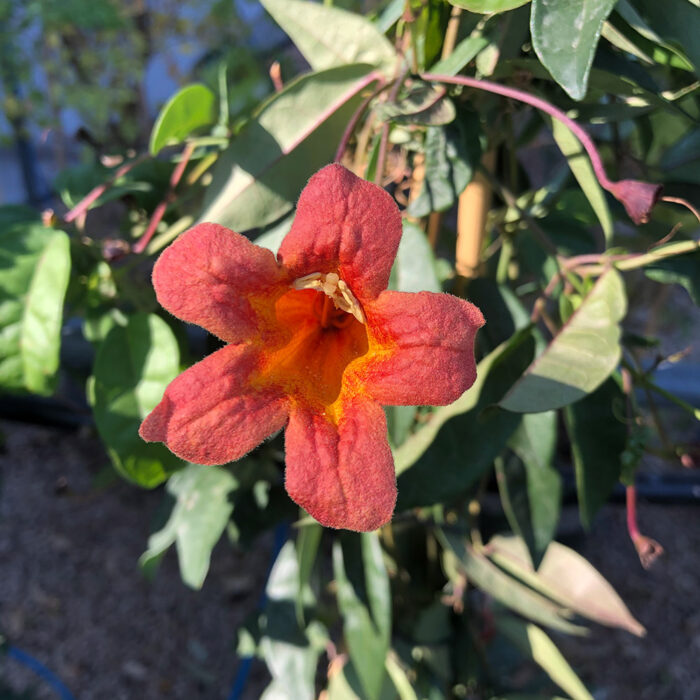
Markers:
367,629
36,265
507,590
565,37
259,176
486,7
198,519
535,644
460,441
451,155
580,357
582,169
133,366
530,486
330,36
191,108
681,269
464,52
568,579
290,652
598,438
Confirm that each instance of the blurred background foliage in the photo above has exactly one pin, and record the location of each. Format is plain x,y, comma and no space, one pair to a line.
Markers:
501,206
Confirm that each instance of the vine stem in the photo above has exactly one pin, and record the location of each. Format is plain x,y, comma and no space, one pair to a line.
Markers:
648,550
637,197
159,211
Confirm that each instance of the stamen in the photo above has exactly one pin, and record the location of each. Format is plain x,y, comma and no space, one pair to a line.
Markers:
334,288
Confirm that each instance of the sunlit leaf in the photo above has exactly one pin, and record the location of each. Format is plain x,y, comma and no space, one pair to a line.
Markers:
581,167
133,366
191,108
464,52
197,521
35,263
565,37
507,590
259,176
567,578
330,36
488,6
598,438
580,357
534,643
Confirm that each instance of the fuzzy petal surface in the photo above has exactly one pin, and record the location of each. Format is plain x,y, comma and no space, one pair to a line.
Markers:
346,225
428,342
212,414
342,475
212,276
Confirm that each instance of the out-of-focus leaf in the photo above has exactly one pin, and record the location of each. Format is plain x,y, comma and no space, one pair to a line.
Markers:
534,643
307,543
259,176
565,37
461,440
330,36
390,15
504,588
567,578
191,108
17,213
414,267
580,357
500,305
290,652
581,167
273,237
451,155
677,21
598,439
532,486
35,263
133,366
464,52
367,630
400,679
486,7
681,269
685,150
198,519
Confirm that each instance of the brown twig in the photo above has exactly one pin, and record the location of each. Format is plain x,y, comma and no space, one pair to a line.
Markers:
160,210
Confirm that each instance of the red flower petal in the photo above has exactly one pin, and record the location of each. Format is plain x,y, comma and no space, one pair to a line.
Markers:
207,277
346,225
211,414
342,475
429,341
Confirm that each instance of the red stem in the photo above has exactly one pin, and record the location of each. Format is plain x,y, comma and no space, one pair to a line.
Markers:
160,210
354,119
631,499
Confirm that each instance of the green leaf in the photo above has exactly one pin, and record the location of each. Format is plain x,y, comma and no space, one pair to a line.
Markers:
290,652
531,485
534,643
308,539
464,52
133,366
598,438
259,176
36,265
486,7
582,169
681,269
504,588
580,357
439,447
423,104
198,519
191,108
366,634
329,36
565,37
568,579
414,267
451,155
